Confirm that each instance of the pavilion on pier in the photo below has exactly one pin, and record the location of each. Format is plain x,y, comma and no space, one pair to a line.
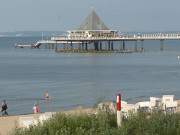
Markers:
92,27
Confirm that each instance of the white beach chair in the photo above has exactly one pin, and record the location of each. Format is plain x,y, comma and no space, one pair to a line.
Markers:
27,121
45,116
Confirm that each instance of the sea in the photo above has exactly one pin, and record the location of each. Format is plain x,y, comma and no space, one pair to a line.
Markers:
84,79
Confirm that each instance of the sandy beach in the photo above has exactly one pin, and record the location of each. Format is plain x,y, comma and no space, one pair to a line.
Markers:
9,123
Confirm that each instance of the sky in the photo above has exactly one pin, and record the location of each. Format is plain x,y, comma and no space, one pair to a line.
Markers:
62,15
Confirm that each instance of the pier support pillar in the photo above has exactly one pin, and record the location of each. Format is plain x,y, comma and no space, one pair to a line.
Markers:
135,46
53,47
96,48
82,46
64,46
106,46
109,44
46,46
79,47
124,46
56,48
86,46
112,46
142,45
100,46
120,46
162,45
71,45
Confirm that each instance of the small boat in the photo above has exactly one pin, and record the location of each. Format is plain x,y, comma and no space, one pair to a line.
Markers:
25,46
22,46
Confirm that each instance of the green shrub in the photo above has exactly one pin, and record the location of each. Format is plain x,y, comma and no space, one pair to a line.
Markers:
105,124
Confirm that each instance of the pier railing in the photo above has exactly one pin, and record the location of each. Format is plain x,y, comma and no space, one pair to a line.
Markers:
156,36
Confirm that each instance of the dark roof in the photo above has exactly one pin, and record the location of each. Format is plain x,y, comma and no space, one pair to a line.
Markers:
93,22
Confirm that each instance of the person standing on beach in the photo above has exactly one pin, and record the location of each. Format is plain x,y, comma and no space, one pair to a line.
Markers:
4,108
36,108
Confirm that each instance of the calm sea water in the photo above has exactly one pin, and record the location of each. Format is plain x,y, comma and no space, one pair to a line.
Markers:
84,79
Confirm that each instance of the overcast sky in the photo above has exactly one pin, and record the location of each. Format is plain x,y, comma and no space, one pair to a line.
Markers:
57,15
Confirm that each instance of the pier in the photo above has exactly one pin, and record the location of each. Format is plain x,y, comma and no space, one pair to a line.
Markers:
94,36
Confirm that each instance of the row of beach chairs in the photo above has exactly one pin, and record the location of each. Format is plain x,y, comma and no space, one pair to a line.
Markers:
27,121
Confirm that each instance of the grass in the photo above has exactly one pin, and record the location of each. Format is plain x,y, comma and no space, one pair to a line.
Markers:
105,124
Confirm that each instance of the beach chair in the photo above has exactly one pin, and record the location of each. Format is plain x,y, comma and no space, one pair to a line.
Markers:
27,121
45,116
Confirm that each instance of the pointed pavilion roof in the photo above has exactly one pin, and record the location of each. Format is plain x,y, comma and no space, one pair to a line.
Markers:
93,22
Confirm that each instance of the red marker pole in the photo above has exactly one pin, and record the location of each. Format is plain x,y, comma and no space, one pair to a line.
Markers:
118,105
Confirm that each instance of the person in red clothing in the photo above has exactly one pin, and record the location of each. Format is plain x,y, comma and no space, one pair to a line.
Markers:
36,108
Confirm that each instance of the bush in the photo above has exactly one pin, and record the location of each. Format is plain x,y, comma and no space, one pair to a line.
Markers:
105,124
156,123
